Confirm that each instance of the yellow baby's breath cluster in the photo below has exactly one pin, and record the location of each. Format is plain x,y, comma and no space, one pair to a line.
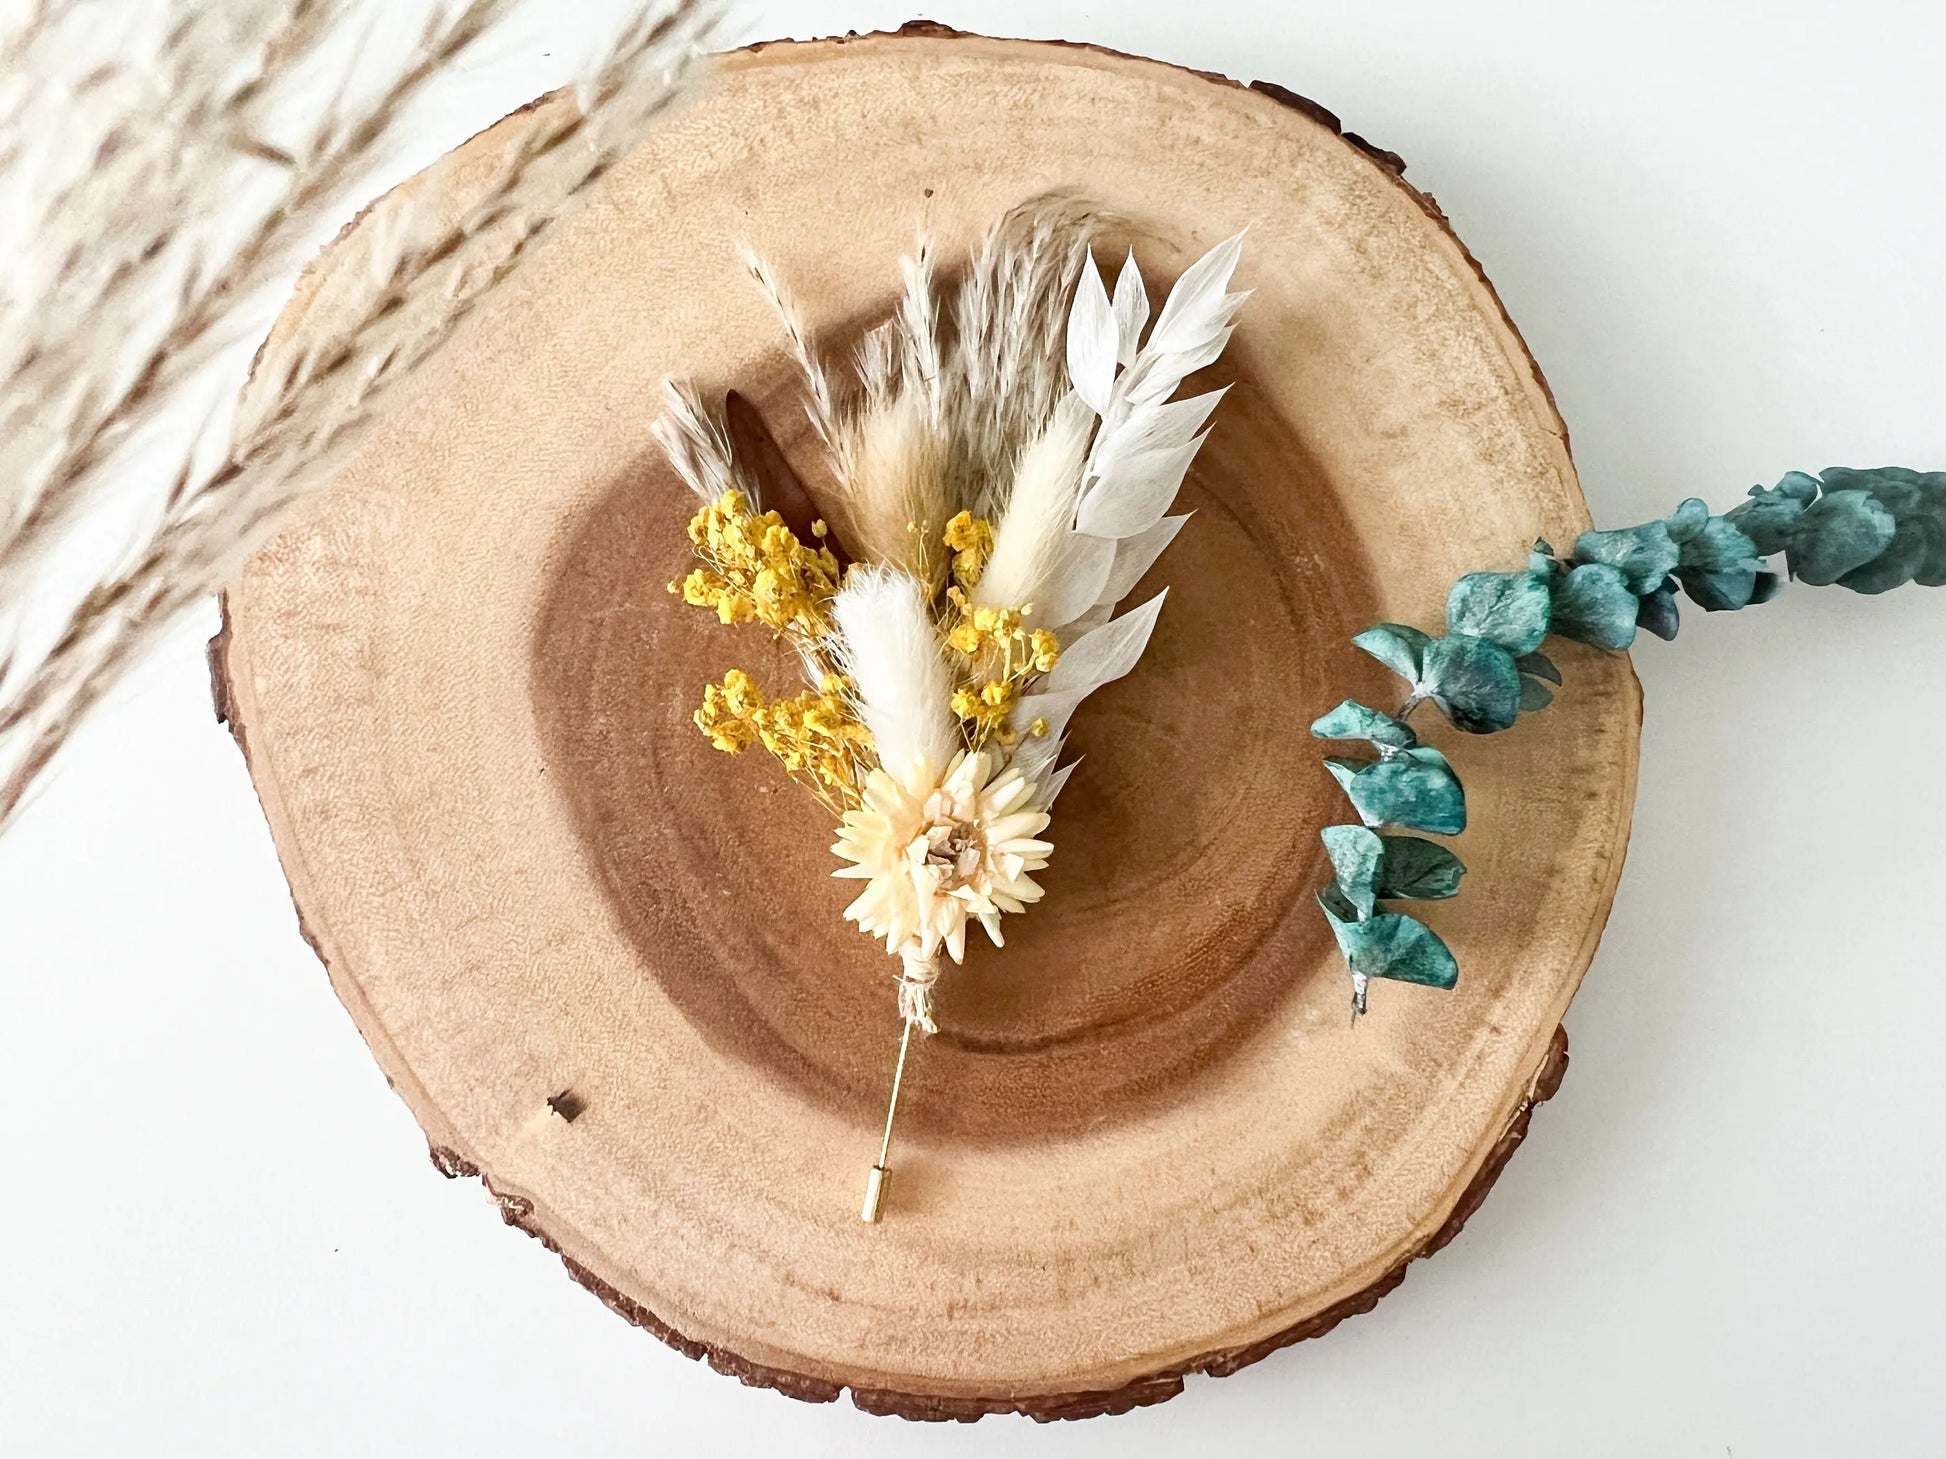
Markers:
971,539
815,735
1003,654
755,570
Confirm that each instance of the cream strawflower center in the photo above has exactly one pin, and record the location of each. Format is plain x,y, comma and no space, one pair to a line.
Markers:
935,856
954,851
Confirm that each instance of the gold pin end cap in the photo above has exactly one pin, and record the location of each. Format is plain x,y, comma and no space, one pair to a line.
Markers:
874,1193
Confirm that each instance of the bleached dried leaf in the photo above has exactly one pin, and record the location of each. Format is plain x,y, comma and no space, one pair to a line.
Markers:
1135,555
1093,340
1200,298
1131,496
1107,653
1131,311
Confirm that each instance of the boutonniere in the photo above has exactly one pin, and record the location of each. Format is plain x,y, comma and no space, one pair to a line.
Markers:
1003,456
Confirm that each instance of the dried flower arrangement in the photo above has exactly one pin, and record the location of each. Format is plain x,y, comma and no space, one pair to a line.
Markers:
162,191
1867,530
1004,463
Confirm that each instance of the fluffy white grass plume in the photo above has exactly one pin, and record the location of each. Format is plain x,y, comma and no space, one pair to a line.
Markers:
1040,563
889,648
165,177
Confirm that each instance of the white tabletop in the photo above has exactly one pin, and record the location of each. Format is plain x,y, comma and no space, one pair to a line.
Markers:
1720,225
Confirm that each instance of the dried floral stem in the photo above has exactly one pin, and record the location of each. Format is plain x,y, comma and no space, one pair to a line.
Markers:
161,215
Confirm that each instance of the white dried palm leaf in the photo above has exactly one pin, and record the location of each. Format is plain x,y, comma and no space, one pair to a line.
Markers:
1147,440
1074,548
1111,510
1099,656
162,191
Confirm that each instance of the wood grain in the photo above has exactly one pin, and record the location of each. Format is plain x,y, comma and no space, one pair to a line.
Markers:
1146,1142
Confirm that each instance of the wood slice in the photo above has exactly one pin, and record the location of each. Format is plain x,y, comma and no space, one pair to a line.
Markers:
604,965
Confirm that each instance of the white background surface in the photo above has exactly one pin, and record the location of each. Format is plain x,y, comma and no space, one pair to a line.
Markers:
1720,227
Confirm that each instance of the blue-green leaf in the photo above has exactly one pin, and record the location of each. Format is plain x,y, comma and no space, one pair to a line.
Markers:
1658,613
1720,546
1840,531
1473,680
1416,789
1510,609
1540,666
1543,564
1594,606
1393,945
1896,488
1895,566
1770,519
1396,645
1415,869
1337,906
1345,770
1534,695
1354,721
1643,555
1719,592
1357,855
1932,569
1689,519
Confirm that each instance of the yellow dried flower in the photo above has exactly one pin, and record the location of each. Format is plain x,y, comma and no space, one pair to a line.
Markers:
815,736
754,568
1004,656
971,539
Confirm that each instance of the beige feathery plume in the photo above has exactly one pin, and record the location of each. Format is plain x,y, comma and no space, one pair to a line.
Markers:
697,444
944,399
821,402
894,506
162,191
1010,316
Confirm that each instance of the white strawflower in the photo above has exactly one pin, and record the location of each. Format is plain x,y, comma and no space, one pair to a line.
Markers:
936,855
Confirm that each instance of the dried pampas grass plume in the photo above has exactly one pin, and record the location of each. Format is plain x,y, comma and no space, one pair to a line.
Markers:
164,183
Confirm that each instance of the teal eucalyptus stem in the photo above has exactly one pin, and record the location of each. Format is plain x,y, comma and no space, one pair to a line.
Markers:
1867,530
